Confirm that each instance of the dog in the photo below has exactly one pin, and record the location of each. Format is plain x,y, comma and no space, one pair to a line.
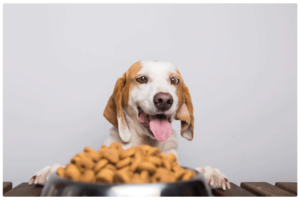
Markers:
145,101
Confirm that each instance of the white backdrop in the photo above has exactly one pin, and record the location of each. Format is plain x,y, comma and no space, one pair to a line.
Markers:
61,63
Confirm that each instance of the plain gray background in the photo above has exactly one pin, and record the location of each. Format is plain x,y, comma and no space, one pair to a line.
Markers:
61,63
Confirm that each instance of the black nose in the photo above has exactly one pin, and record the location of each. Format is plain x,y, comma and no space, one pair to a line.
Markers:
163,101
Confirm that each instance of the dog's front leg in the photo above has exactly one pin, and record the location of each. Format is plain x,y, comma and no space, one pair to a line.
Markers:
41,176
214,177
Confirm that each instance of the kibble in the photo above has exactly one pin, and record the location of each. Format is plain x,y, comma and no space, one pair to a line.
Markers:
113,164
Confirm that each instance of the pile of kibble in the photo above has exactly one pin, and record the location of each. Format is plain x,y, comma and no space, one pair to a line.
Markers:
138,164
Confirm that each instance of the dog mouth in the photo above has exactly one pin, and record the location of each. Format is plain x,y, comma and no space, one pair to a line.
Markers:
158,125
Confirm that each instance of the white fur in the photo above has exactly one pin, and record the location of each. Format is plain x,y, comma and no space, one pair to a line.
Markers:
214,177
158,74
124,132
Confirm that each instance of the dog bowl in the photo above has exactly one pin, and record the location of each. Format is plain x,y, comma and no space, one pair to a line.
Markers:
57,186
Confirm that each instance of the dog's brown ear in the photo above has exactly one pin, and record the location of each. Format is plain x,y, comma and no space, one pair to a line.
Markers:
114,111
185,114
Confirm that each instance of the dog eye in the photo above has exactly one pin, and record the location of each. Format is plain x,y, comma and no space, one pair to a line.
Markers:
174,80
142,79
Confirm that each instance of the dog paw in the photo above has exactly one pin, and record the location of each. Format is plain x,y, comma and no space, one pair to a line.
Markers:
214,177
41,176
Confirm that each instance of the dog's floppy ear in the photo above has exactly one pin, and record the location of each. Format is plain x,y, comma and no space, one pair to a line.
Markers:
114,111
185,114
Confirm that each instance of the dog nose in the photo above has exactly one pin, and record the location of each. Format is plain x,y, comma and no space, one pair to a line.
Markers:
163,101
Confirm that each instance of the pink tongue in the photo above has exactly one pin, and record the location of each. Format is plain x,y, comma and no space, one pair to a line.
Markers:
161,129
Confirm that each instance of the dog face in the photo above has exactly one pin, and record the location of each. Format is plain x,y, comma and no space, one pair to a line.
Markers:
149,96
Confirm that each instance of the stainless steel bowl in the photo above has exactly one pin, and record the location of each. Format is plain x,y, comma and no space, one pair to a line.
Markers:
196,186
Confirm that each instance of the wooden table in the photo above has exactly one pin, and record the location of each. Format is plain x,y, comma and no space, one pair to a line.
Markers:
246,189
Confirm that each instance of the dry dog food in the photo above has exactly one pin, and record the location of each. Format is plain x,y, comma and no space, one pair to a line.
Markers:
139,164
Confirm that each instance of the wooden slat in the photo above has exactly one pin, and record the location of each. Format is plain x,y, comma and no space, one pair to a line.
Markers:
7,186
234,191
25,190
264,189
288,186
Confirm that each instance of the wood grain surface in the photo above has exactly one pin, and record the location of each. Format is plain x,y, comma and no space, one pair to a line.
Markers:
7,186
24,190
264,189
290,187
234,191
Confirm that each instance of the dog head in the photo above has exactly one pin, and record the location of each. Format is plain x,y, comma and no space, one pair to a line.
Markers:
147,98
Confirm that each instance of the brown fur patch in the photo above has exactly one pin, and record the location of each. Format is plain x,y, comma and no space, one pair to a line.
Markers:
130,82
184,96
189,104
120,96
183,114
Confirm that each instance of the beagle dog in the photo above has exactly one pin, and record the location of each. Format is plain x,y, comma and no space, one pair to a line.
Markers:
145,101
